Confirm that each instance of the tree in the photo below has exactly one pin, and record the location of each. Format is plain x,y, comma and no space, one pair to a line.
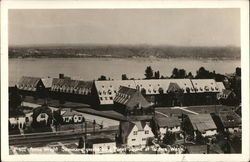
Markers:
202,73
182,73
190,75
175,73
157,75
169,138
238,71
102,77
15,98
124,77
149,73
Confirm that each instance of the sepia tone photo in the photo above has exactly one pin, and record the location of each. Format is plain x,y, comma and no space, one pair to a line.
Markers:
124,81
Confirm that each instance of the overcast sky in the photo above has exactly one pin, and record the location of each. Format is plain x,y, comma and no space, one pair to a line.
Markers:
182,27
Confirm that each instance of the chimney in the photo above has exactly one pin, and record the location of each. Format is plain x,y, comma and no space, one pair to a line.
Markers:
61,76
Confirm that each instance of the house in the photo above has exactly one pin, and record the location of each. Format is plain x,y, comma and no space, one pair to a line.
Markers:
227,97
154,90
167,124
101,145
17,121
104,92
160,92
69,116
228,121
130,101
20,119
135,133
206,91
72,90
31,86
199,125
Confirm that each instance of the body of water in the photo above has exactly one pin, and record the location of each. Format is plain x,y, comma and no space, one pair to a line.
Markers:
92,68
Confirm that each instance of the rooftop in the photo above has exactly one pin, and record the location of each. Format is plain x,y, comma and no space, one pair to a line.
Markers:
202,122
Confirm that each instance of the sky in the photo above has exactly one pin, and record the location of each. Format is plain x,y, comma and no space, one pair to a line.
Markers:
179,27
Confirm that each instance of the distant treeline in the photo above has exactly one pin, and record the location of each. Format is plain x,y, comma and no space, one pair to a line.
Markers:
227,52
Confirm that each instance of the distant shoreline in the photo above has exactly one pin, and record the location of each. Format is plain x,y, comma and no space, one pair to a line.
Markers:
151,52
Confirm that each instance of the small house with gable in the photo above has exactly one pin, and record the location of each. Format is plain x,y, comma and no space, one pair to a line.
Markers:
135,133
131,102
199,125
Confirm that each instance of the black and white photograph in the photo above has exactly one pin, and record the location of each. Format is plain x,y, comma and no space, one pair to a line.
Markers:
125,81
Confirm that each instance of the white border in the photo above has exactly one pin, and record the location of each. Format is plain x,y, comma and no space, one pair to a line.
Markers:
243,5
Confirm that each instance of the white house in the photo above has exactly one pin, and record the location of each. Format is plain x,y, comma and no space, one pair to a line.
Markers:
101,145
135,133
18,121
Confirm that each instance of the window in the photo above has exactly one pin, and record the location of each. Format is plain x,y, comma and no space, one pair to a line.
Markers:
146,132
79,118
100,98
135,133
111,98
100,148
106,98
133,139
108,147
26,119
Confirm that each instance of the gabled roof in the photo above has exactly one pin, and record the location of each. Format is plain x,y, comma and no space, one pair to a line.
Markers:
220,85
72,86
69,112
173,87
140,125
132,98
202,122
205,85
169,122
107,90
154,86
127,126
229,119
28,83
47,82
